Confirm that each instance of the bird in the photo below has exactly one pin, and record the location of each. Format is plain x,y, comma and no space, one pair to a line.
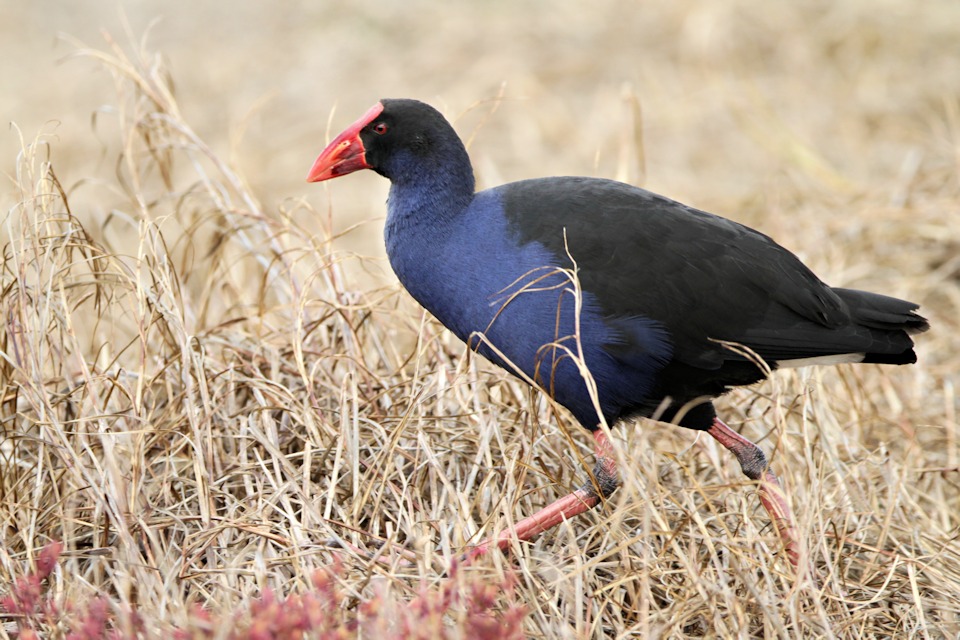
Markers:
616,302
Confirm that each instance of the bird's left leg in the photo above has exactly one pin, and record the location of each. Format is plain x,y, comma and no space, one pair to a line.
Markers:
604,482
772,496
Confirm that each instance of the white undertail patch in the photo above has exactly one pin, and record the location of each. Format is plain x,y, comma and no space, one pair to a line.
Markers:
840,358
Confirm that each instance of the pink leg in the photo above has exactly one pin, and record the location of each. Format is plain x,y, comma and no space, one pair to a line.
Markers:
772,496
583,499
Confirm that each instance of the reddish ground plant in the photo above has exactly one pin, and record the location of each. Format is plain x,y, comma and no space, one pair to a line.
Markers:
450,610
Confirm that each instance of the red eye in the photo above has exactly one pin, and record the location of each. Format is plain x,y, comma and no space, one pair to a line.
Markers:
380,128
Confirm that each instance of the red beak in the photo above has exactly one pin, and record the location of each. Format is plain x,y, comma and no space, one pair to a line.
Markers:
346,153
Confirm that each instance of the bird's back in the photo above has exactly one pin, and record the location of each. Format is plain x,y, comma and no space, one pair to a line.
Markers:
702,277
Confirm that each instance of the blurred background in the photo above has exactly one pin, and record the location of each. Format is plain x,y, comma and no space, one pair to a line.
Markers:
738,107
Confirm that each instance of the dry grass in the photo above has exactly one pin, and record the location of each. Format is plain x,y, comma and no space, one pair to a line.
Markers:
199,403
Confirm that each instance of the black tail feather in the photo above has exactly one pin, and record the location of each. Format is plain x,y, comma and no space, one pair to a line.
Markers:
891,320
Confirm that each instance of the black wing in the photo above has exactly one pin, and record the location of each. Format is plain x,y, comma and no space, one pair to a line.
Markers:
702,277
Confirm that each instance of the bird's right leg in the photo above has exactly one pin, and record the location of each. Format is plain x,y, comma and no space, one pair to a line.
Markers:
604,482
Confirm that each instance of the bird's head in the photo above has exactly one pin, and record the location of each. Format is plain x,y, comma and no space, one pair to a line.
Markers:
392,138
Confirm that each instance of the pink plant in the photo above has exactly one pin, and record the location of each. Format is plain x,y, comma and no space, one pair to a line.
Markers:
25,598
456,608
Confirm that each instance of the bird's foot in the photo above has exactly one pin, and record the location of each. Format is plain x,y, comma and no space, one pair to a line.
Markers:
772,496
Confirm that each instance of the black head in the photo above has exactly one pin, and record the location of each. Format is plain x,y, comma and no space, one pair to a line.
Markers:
395,138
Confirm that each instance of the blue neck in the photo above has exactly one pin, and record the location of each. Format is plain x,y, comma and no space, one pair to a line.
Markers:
428,195
428,190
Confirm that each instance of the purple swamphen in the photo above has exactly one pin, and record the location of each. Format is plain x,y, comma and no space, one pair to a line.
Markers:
615,301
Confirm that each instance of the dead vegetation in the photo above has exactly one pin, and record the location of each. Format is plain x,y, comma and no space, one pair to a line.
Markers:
200,404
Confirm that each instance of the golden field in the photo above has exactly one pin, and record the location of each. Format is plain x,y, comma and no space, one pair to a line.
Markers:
212,385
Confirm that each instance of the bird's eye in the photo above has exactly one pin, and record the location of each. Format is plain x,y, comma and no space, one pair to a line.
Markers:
380,128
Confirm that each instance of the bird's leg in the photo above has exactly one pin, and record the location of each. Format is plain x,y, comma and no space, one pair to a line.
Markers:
772,496
604,482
